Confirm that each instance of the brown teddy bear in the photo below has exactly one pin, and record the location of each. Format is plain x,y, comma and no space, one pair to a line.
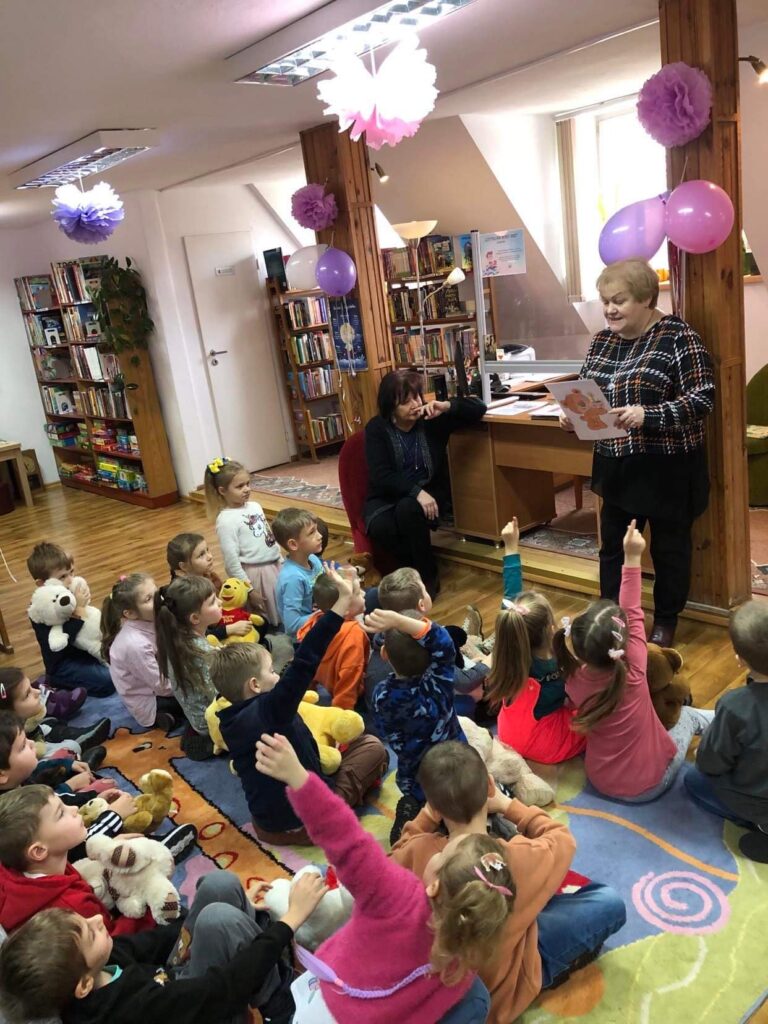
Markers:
668,693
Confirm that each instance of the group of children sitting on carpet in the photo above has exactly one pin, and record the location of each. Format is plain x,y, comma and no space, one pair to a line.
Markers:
472,919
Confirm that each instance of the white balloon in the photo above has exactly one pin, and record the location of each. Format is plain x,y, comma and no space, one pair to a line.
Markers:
300,268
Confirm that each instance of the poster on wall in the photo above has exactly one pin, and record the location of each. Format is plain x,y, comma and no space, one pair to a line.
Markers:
502,253
347,332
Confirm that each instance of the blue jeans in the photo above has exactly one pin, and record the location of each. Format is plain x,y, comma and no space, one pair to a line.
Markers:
573,924
702,792
92,675
473,1008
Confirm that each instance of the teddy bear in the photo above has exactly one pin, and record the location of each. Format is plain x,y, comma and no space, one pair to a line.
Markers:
507,766
52,605
131,875
329,726
331,913
234,597
152,805
369,575
668,694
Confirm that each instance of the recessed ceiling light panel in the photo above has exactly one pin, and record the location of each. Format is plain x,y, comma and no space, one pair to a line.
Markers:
93,154
386,24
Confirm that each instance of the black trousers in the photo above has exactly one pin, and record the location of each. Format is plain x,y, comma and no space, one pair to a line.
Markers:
404,531
671,553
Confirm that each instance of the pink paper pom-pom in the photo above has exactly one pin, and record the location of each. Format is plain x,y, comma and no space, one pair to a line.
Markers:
674,105
312,208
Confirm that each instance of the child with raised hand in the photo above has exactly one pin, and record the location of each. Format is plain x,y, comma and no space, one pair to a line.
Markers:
604,657
408,952
525,681
188,554
128,646
547,935
183,612
247,543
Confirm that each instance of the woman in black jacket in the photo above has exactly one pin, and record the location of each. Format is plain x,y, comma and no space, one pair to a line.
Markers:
408,482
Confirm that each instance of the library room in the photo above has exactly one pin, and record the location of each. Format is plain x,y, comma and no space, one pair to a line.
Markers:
383,397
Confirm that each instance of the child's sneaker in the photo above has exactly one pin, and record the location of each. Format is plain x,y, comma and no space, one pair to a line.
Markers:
95,757
63,704
165,722
473,622
407,809
88,736
180,841
196,746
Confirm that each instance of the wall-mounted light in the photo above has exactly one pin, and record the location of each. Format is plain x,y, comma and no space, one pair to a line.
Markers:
759,67
383,176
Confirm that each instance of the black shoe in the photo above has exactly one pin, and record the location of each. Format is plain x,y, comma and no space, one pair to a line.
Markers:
94,757
578,963
165,722
407,809
662,634
88,736
180,841
196,746
754,845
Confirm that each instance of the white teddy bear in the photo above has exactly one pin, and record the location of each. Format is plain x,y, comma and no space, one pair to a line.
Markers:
331,913
52,605
507,766
131,875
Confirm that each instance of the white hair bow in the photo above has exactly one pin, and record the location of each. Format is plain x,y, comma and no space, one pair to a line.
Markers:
565,622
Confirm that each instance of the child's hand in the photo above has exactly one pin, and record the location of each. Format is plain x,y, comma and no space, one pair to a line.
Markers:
305,895
276,757
346,588
256,894
498,803
238,628
81,782
381,619
124,805
80,766
634,545
82,594
511,537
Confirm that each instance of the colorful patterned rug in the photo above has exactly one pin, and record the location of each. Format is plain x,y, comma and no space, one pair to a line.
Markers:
692,948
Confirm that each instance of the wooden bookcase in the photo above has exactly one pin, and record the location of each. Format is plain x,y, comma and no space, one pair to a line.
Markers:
446,317
308,363
102,412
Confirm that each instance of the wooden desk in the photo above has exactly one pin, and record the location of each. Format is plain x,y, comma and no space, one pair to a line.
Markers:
505,467
10,451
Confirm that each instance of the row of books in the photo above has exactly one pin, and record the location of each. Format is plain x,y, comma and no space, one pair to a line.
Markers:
36,292
58,326
312,347
436,256
77,280
80,323
404,303
321,381
326,428
309,311
94,365
465,337
102,402
59,400
408,349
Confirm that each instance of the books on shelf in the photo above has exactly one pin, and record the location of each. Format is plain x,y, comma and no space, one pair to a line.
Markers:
59,400
307,312
398,263
318,382
435,253
404,303
408,347
36,292
91,364
466,337
312,346
326,428
110,402
75,280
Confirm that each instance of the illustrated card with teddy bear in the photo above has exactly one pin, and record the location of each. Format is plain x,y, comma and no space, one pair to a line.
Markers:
586,408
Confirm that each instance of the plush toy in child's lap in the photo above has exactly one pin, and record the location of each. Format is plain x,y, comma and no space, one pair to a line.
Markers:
53,605
234,598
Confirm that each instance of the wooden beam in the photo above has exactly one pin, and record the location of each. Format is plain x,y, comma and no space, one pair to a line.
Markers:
703,33
332,157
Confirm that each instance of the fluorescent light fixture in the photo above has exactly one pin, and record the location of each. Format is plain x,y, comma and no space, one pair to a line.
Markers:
92,154
385,24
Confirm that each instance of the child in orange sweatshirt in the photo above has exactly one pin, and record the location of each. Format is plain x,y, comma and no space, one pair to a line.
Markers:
547,935
342,669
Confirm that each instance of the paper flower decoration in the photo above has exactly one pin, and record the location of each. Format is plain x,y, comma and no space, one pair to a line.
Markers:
313,209
90,216
389,104
674,105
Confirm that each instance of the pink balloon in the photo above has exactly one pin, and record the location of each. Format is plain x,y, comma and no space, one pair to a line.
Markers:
699,216
633,232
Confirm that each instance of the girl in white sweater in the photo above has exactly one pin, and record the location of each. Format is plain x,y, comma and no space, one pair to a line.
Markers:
249,548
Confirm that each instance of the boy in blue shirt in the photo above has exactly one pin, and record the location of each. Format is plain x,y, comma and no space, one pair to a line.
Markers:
297,534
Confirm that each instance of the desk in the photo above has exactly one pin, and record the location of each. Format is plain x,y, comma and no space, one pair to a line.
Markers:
505,466
10,451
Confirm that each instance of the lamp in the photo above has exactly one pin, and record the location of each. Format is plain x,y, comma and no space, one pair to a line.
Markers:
412,232
759,67
383,176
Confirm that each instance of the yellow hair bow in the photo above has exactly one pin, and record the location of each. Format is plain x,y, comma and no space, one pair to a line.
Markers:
215,466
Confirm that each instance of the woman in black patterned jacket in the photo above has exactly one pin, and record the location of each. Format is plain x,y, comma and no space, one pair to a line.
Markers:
408,482
658,378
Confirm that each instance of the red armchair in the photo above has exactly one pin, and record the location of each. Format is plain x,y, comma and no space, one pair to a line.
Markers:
353,484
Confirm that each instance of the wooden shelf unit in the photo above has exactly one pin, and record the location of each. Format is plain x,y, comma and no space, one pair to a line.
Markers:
136,388
296,372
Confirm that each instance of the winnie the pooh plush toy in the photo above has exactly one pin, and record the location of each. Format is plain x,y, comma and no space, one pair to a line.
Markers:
668,693
330,727
234,597
152,805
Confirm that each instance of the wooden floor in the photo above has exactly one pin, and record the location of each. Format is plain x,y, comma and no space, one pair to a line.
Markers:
108,538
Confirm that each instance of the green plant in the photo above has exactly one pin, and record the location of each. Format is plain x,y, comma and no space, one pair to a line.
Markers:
121,306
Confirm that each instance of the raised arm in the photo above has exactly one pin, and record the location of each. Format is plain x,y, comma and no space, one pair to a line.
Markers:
629,598
692,372
512,569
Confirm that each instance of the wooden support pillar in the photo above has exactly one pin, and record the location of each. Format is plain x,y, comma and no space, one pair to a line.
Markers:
703,33
332,157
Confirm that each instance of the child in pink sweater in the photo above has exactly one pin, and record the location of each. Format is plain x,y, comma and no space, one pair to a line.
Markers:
408,952
128,645
604,657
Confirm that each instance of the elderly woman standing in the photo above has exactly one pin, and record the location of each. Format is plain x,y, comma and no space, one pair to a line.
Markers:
408,483
658,378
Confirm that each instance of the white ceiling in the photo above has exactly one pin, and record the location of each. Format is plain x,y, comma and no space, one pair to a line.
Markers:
69,67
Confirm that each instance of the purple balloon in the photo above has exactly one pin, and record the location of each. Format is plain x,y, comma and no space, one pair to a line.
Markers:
633,232
336,273
699,216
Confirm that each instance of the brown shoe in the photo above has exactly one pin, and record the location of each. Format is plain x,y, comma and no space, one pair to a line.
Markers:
662,635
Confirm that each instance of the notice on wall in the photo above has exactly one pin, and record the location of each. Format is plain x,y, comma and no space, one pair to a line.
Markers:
502,253
347,333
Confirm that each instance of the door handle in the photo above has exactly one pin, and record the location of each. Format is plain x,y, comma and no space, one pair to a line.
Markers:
213,353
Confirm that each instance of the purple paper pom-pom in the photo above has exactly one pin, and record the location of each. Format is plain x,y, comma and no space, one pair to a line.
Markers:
88,217
674,105
312,208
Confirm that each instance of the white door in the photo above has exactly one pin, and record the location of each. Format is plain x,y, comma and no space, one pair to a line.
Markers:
239,348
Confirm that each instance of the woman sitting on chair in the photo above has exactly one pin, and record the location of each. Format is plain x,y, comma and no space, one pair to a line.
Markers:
408,483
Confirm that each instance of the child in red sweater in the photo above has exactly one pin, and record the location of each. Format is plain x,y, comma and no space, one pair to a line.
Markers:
408,953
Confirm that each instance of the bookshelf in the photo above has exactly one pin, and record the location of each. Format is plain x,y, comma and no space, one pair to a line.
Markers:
102,412
449,315
308,364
